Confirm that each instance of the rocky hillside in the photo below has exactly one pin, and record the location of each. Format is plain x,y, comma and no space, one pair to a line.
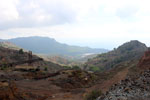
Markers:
127,52
50,81
9,56
135,87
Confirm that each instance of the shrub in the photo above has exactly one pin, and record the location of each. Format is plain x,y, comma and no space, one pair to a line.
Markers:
21,51
66,67
94,68
4,66
45,69
38,68
93,95
76,68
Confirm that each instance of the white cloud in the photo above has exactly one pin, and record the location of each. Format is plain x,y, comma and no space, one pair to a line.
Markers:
8,10
81,22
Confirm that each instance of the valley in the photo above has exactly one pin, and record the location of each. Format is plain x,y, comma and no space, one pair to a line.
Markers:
23,77
74,50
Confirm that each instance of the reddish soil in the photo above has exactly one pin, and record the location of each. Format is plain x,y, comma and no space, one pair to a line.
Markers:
144,62
105,85
45,89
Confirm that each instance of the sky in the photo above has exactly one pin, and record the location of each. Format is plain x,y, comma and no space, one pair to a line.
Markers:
94,23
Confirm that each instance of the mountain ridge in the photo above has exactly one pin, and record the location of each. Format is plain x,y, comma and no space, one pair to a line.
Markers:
46,45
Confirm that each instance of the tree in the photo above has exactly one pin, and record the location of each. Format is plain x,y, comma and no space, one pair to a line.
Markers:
76,67
21,51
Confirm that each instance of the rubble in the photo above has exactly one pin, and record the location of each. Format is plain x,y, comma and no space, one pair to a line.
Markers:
137,88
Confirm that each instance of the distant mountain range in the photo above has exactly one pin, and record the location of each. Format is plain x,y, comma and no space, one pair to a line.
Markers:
45,45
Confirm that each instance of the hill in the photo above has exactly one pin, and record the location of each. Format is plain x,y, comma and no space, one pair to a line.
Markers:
130,51
45,45
68,84
8,55
133,87
9,45
45,81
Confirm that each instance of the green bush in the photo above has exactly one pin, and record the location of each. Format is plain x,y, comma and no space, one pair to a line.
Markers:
76,68
4,66
21,51
94,68
93,95
67,67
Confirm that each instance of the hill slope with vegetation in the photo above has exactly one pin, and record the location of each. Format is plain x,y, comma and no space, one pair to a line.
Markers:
130,51
8,55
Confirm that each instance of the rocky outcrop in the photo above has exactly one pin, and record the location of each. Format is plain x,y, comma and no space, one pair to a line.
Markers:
137,88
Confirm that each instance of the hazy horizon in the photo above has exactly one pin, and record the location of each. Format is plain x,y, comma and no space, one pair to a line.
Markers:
76,44
93,23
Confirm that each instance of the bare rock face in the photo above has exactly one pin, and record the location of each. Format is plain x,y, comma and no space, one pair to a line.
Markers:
144,62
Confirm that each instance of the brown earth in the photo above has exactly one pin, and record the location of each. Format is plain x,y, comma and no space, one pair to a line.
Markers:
144,62
63,85
47,89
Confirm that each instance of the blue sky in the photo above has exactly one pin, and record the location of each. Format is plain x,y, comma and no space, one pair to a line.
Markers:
93,23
